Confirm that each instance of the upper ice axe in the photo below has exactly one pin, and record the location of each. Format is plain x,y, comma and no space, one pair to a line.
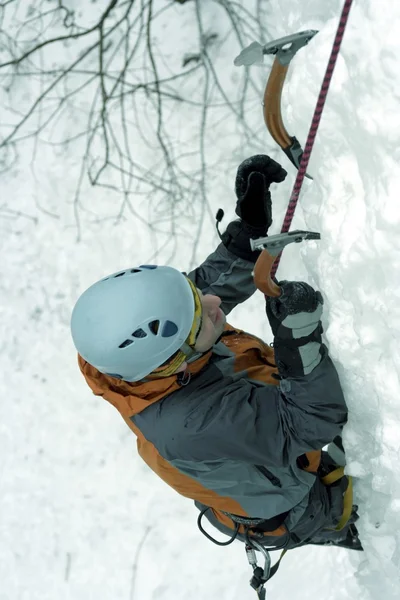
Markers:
284,50
272,246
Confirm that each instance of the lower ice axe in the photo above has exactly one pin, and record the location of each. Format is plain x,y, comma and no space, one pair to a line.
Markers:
271,247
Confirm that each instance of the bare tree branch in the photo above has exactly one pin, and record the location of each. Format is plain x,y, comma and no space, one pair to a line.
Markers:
74,36
108,74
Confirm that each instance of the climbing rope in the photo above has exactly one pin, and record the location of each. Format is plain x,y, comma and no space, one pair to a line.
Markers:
314,126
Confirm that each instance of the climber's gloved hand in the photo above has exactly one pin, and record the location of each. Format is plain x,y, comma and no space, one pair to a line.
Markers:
295,322
253,206
253,178
296,297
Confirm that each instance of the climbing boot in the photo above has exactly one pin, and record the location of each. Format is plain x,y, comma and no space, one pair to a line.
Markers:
351,541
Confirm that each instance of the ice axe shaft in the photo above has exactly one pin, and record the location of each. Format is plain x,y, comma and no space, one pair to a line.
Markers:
271,247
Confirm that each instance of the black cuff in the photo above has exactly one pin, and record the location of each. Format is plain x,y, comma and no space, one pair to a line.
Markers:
237,237
289,361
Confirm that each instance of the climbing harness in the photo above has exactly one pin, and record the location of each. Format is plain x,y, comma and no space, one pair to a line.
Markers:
261,576
272,247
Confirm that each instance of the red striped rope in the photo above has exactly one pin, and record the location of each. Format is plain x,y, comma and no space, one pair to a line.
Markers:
314,126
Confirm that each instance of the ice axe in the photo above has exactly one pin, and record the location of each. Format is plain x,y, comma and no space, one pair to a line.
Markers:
284,50
271,247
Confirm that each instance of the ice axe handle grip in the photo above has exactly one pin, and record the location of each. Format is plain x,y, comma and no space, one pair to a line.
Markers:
262,277
271,247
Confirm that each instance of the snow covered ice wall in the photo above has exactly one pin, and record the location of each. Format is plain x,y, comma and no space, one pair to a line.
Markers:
80,516
353,202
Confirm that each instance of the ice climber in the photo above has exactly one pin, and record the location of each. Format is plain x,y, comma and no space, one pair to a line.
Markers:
225,419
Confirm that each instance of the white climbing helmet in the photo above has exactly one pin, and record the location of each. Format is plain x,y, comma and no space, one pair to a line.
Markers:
131,322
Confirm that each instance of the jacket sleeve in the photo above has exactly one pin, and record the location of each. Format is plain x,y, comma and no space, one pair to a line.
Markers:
265,425
225,275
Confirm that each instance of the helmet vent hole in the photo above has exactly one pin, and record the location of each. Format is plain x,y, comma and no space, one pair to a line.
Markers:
154,326
120,274
139,333
135,270
125,343
169,329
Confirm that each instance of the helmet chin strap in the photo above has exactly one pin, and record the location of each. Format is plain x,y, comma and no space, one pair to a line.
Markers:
195,356
199,354
218,339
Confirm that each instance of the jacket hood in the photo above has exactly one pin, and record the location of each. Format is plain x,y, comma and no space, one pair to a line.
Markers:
130,398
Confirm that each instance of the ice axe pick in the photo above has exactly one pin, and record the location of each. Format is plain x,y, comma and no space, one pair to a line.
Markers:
272,246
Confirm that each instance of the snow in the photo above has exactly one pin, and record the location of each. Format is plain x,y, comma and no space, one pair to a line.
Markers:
81,517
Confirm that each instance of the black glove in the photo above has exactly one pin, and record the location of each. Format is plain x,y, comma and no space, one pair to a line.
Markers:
253,178
295,322
236,238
